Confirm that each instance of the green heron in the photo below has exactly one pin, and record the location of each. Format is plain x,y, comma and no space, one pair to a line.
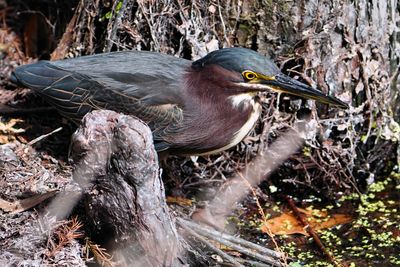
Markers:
192,108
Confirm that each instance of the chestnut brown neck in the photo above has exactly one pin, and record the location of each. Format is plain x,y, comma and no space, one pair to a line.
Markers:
210,120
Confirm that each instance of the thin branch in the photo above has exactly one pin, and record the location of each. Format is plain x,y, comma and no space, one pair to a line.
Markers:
34,141
113,33
310,231
236,243
210,246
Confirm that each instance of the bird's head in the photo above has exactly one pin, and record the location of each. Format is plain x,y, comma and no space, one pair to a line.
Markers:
250,72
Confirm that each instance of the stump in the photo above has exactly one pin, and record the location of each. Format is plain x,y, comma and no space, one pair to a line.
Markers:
117,167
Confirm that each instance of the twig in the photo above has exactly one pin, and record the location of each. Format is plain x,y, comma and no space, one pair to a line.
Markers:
223,23
310,81
310,231
66,40
100,254
34,141
253,263
235,243
395,74
341,119
264,217
113,33
210,246
52,26
367,90
150,24
25,204
238,240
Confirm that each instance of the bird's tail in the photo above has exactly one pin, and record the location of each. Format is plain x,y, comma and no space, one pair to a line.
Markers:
63,89
14,79
38,75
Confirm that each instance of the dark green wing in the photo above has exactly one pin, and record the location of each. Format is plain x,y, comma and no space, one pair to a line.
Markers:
145,84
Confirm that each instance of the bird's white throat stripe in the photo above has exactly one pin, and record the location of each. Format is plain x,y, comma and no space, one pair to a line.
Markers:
248,126
260,87
237,100
244,130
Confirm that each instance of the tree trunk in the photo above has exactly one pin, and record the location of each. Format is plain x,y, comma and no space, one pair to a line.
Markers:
117,167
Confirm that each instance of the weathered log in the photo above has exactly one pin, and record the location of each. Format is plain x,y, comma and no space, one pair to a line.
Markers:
117,167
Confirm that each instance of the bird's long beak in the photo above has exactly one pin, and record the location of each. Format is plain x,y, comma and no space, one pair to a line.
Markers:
285,84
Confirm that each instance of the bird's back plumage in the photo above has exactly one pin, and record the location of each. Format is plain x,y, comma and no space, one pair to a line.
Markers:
145,84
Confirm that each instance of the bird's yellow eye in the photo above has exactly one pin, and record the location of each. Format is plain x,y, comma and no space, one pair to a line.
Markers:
249,75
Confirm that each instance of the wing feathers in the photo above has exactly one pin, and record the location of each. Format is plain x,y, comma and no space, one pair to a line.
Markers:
153,99
65,90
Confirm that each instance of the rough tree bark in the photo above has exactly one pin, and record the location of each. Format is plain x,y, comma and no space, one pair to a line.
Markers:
117,168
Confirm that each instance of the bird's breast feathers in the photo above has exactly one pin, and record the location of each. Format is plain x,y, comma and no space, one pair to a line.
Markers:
241,102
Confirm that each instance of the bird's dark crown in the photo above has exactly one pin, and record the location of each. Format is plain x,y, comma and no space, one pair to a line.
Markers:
239,60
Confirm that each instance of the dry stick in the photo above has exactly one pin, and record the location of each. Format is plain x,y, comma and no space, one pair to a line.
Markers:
66,40
222,23
264,217
44,136
251,188
238,240
25,204
367,90
113,33
210,246
229,241
310,231
241,241
253,263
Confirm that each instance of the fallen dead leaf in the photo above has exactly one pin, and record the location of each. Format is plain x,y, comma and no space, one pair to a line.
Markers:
287,223
25,204
179,200
8,127
8,130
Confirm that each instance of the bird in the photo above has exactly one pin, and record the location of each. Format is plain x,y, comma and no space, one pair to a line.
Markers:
197,107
